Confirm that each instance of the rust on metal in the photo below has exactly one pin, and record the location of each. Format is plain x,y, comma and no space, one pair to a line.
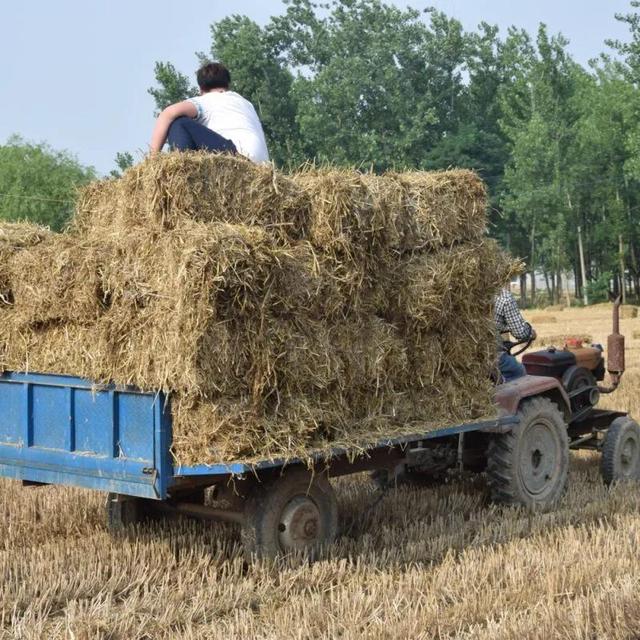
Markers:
615,352
510,394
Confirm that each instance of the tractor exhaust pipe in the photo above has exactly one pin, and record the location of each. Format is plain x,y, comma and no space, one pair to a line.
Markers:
615,352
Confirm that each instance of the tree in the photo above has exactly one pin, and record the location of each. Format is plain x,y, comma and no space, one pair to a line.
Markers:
38,183
173,86
124,160
374,85
367,83
538,120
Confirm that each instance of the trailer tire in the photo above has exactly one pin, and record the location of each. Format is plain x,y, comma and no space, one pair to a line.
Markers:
122,512
621,451
295,513
126,511
529,465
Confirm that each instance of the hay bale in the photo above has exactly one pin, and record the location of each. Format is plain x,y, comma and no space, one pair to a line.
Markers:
58,280
636,335
628,311
15,236
59,348
441,208
345,216
167,189
433,287
188,309
555,307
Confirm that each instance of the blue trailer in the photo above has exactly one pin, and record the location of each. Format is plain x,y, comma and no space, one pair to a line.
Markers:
64,430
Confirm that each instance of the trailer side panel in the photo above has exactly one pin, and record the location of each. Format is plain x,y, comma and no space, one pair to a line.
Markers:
64,430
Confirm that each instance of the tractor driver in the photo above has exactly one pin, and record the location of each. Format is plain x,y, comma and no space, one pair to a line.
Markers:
218,120
509,320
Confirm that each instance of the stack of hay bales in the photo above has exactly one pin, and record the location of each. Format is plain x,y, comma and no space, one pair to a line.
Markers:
283,313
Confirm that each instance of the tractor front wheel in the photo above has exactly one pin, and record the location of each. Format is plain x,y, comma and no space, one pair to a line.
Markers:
529,465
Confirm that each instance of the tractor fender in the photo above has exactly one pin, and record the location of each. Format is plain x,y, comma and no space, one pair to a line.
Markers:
510,395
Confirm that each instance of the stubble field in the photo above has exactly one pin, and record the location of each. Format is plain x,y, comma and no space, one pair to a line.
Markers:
424,563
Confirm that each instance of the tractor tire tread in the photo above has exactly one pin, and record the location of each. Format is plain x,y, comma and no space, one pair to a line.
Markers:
609,468
501,463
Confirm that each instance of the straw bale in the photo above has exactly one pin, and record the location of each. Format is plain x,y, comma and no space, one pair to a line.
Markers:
58,280
15,236
61,348
628,311
188,308
442,208
167,189
431,288
352,229
345,216
555,307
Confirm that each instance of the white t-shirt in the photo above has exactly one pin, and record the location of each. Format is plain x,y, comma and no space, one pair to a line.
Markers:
233,117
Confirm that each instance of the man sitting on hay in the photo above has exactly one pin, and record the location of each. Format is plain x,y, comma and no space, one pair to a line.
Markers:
217,120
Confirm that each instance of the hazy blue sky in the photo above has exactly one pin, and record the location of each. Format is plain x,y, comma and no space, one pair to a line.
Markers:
75,73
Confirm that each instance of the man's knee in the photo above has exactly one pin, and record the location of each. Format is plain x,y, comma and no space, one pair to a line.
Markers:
178,125
510,368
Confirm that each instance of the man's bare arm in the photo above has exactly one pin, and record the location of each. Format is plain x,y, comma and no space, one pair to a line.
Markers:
159,135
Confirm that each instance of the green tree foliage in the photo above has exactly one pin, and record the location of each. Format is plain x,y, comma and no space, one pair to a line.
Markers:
173,85
366,83
39,184
124,160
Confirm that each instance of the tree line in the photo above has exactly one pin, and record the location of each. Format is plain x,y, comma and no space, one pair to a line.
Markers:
367,84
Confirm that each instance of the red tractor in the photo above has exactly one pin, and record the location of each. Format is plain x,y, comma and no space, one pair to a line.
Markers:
556,406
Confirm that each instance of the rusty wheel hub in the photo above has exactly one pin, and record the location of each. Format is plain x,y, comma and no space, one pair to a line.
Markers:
299,524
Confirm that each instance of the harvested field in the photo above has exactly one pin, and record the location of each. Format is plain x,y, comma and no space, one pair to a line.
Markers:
283,313
424,563
543,318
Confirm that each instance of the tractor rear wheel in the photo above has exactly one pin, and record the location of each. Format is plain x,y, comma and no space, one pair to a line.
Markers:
296,512
621,451
529,465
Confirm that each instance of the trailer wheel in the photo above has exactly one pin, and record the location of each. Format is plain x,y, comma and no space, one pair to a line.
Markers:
125,511
621,451
296,512
529,465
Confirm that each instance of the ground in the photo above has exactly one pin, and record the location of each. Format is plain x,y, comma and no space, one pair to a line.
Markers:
424,563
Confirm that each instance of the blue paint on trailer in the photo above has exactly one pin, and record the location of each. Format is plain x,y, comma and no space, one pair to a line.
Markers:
65,430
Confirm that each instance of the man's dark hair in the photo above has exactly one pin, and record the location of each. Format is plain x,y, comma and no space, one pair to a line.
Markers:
213,76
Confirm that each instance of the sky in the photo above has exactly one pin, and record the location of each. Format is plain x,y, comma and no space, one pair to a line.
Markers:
75,73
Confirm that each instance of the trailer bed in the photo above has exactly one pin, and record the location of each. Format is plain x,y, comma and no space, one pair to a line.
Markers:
66,430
